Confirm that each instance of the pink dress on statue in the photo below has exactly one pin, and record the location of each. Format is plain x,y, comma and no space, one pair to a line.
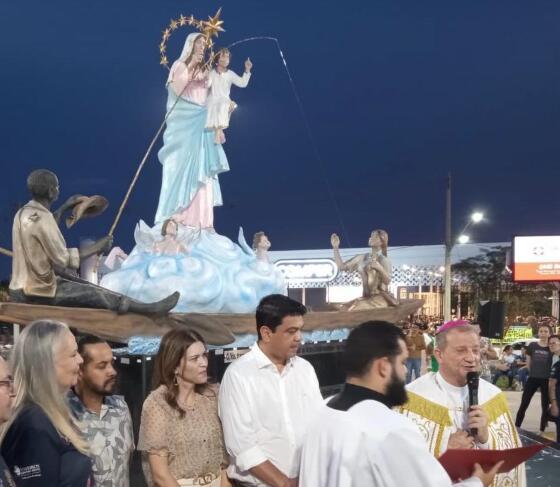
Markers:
200,212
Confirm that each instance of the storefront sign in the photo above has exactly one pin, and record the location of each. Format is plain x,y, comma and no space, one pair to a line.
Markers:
308,270
515,333
536,258
231,355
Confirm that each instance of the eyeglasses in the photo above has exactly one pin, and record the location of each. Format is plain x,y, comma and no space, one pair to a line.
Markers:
7,383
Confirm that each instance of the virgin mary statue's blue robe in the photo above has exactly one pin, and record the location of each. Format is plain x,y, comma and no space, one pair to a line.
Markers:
189,156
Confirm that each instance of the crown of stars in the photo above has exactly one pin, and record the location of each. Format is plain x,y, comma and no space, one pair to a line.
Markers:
209,28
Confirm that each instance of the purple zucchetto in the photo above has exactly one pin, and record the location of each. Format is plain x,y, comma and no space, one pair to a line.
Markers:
452,324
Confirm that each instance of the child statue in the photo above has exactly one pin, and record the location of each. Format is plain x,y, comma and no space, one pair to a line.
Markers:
261,244
219,104
169,245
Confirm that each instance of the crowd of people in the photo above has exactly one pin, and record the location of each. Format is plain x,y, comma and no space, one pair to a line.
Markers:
532,368
266,424
510,363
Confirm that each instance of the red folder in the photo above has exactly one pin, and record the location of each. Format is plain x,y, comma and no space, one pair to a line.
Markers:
459,464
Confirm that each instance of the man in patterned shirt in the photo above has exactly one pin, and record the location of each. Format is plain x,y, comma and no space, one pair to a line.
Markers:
104,418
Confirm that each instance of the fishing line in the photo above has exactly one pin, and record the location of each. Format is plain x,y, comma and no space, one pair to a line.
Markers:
312,141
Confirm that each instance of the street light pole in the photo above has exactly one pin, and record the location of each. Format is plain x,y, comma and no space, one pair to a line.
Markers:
448,248
450,241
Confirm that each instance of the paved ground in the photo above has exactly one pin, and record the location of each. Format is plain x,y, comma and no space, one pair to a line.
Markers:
543,470
532,419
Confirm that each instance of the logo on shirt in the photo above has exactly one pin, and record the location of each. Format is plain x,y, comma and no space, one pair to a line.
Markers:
28,472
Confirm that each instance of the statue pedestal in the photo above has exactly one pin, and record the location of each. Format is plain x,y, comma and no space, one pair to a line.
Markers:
215,276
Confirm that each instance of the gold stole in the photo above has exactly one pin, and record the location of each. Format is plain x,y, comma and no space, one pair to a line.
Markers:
434,421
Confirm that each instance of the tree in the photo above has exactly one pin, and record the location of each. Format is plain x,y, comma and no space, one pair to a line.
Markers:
486,278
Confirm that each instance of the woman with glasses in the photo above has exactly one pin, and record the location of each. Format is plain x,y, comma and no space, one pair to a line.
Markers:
6,396
41,444
180,433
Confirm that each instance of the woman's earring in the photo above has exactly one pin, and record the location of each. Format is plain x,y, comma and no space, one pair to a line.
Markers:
175,380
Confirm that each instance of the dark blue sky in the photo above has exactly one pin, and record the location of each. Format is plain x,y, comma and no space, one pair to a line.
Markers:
397,93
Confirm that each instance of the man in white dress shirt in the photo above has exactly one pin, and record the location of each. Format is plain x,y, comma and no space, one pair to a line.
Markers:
267,398
357,440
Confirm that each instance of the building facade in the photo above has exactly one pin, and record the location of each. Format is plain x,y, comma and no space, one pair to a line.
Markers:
417,273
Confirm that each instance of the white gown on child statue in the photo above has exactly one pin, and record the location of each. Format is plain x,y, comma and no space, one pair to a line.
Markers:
219,101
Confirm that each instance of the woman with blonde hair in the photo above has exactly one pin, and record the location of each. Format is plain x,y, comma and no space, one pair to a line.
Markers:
41,444
6,397
180,433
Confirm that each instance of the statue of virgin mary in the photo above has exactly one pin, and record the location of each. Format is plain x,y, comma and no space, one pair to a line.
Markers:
211,273
190,158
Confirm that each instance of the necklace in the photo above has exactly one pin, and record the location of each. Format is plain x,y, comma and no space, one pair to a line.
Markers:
186,407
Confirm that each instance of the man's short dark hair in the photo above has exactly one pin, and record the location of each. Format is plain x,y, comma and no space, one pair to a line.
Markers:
86,340
40,182
274,308
368,342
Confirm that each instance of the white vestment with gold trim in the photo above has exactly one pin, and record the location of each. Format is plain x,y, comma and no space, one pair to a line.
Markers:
433,408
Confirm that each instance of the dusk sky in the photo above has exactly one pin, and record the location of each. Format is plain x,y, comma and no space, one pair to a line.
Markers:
395,93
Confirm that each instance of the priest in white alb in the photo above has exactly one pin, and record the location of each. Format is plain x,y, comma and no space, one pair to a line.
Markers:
438,402
358,440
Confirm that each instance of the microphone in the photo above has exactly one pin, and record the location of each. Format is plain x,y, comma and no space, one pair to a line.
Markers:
472,384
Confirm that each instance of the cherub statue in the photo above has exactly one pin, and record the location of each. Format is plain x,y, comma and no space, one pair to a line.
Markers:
374,268
219,104
261,244
172,243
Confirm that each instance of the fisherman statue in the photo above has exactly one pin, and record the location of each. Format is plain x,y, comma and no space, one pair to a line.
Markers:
43,268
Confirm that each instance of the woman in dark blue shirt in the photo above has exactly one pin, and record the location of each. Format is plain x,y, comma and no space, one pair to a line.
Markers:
41,445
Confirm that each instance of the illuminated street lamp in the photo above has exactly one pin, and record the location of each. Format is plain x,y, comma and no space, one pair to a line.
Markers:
475,218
